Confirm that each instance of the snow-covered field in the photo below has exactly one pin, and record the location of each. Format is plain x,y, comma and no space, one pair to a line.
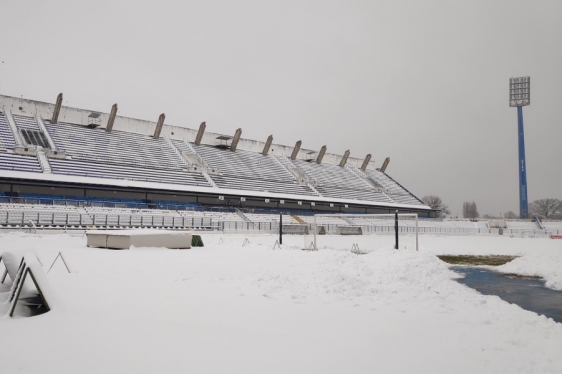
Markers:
229,308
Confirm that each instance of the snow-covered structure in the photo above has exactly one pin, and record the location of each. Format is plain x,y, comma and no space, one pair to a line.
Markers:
72,154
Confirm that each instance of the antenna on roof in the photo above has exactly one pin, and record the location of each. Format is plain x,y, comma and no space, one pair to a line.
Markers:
56,112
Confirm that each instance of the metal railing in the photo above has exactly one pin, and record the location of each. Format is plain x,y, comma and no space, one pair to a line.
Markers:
36,220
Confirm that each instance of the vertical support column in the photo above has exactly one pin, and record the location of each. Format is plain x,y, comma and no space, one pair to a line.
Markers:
396,229
267,145
56,112
344,158
385,164
280,228
296,150
321,154
523,202
200,133
159,126
111,119
366,162
235,140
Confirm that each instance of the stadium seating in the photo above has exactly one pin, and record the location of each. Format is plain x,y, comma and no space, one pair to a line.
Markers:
117,147
6,137
246,170
13,162
96,153
553,225
28,123
118,155
522,225
398,193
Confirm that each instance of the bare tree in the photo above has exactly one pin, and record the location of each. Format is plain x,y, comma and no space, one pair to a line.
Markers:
510,215
436,203
546,208
469,210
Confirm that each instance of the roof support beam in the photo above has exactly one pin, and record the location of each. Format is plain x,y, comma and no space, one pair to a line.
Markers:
366,162
344,158
111,119
267,145
56,112
200,133
235,140
321,154
159,126
385,164
296,150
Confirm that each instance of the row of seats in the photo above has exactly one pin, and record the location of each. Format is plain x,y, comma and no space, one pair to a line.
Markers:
398,193
13,162
117,147
243,163
98,170
7,140
240,183
27,123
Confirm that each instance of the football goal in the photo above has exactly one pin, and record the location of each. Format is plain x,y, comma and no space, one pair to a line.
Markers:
366,231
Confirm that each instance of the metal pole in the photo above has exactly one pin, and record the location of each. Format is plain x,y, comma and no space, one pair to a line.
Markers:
523,203
417,248
315,248
396,229
280,228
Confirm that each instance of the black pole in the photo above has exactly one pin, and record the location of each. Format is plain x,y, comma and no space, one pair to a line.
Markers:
396,228
280,228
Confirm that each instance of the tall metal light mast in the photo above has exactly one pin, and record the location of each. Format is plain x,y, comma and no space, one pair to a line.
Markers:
520,96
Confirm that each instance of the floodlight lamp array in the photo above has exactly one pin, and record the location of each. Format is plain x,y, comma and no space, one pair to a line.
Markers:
519,91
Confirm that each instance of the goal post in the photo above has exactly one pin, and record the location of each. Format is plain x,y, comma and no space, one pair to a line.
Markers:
395,230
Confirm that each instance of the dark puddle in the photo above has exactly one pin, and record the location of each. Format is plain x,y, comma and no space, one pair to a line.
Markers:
527,292
493,260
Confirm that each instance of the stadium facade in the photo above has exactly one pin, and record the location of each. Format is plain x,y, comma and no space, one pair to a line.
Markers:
48,150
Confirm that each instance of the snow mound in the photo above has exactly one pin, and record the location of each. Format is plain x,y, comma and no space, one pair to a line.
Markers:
545,265
400,275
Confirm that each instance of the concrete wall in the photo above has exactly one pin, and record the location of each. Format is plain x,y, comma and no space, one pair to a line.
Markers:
80,116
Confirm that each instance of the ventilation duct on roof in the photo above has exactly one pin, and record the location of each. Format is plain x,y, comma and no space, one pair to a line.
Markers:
94,120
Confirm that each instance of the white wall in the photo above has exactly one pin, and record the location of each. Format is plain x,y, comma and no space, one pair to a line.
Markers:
80,116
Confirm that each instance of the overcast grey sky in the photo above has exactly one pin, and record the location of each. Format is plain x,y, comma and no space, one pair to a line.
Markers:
424,82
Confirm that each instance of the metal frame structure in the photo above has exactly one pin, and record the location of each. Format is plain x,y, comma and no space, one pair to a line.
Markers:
520,96
393,216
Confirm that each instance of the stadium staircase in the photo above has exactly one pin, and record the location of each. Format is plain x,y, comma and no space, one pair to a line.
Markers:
398,193
193,158
43,161
539,223
242,215
287,165
297,218
173,147
13,128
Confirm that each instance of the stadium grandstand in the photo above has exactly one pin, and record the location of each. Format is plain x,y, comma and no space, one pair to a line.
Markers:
62,166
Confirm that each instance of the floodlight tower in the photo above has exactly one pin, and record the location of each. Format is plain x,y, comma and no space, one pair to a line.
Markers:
520,96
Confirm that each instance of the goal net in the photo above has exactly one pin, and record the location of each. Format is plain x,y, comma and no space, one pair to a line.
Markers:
362,233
